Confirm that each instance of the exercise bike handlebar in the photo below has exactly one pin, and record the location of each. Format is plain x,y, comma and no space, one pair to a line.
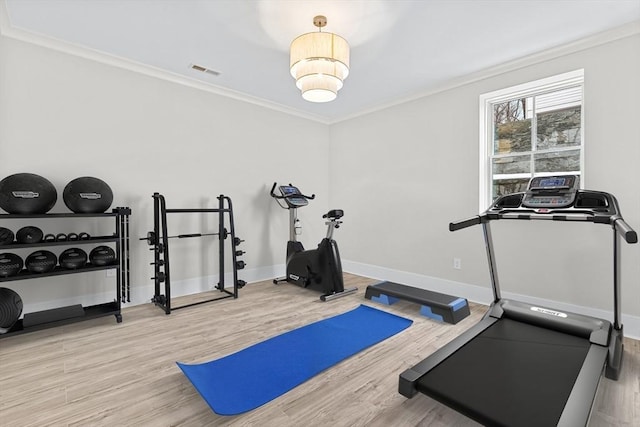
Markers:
275,196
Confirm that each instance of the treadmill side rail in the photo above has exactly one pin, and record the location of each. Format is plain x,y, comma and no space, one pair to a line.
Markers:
408,378
577,410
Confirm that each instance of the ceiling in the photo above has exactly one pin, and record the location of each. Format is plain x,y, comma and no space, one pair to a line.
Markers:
398,48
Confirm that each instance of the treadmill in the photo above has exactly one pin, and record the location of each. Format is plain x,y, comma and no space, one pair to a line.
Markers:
525,365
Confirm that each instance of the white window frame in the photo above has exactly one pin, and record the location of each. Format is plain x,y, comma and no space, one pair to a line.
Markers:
557,82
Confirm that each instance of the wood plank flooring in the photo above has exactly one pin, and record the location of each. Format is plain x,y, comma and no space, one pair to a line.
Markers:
99,373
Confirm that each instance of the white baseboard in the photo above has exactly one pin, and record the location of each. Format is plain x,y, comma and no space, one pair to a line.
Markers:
481,294
143,294
474,293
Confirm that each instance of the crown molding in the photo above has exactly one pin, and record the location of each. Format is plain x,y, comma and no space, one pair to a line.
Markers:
7,30
628,30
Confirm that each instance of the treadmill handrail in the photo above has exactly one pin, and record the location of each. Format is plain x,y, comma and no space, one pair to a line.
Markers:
625,230
618,223
455,226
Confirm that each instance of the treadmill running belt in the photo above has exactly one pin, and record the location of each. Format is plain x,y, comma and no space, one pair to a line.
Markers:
512,374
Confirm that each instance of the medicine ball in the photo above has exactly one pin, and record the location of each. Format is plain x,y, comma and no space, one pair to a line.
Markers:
41,262
87,195
10,264
102,255
73,258
27,193
29,234
10,309
6,236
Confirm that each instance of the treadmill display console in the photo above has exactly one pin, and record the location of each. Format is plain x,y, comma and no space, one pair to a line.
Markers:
551,192
294,197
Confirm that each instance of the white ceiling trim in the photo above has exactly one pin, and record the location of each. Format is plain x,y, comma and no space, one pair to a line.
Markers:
9,31
624,31
84,52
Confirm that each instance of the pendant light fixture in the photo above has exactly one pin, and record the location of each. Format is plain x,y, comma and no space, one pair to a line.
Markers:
319,63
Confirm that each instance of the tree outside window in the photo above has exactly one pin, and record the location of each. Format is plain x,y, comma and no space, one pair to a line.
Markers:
531,130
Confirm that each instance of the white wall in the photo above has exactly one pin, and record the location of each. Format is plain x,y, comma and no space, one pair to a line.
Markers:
403,173
62,116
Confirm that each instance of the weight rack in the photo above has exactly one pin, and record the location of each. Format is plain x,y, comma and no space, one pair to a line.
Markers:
159,240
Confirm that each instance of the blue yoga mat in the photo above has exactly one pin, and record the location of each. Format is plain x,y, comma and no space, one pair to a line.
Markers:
250,378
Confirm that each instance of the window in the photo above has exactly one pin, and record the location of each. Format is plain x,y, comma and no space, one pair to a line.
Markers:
534,129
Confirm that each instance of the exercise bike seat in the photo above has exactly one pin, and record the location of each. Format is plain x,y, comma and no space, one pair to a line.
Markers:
334,214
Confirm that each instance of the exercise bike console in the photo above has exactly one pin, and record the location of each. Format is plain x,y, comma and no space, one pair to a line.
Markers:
293,197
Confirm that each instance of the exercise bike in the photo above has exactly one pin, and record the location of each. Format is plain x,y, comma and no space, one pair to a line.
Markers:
317,269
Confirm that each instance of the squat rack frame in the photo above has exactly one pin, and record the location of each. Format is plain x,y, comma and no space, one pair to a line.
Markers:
160,241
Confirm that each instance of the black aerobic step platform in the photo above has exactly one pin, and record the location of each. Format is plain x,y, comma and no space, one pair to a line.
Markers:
445,308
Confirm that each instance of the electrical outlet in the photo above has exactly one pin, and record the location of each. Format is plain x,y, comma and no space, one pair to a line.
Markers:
110,272
457,263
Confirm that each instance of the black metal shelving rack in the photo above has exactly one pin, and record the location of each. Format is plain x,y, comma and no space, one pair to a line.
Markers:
121,239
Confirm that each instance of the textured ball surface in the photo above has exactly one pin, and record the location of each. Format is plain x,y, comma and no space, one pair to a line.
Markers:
72,258
41,262
87,195
10,264
29,234
6,236
10,309
102,255
27,194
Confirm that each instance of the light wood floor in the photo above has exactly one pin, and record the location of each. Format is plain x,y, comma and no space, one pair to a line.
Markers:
99,373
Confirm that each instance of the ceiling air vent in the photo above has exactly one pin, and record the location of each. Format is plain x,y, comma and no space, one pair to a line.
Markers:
205,70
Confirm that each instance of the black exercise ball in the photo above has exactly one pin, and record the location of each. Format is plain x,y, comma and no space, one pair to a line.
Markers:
87,195
10,309
102,255
6,236
10,264
72,258
29,234
27,194
41,262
